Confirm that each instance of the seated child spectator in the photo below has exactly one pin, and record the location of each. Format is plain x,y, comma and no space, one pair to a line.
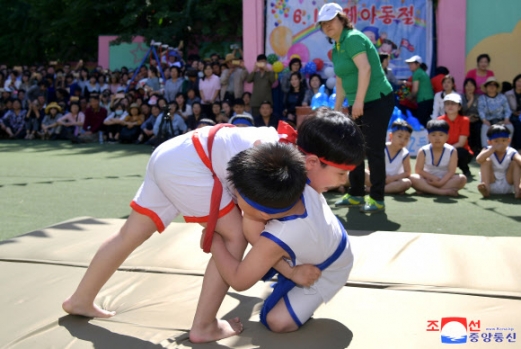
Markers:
50,127
238,107
500,164
397,160
114,122
288,219
397,165
147,128
72,122
13,121
436,164
33,118
242,120
132,125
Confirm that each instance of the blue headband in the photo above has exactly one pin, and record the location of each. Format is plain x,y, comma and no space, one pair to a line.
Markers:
438,129
268,210
499,135
400,128
242,121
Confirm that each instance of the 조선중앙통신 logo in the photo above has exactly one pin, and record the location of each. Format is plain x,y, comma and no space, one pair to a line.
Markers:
459,330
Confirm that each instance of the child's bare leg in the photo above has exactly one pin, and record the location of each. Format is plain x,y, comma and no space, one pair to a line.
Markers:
457,182
398,187
206,327
487,177
513,177
279,320
420,184
137,229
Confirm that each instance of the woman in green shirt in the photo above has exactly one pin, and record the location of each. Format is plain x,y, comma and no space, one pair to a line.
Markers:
421,90
361,79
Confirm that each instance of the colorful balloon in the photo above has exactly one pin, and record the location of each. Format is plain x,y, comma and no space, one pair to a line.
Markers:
331,82
281,39
272,58
311,68
329,72
278,67
301,50
319,63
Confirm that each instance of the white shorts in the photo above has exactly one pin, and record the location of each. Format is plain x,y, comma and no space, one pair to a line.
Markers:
302,302
501,186
177,182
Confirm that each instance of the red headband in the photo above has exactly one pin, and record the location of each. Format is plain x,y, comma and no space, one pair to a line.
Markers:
286,133
345,167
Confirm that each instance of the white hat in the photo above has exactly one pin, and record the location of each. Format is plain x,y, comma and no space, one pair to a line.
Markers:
328,12
414,59
453,97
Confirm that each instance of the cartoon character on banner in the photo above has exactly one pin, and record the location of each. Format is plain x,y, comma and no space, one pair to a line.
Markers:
373,33
389,47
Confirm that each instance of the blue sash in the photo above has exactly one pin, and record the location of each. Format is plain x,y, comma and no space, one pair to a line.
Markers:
284,285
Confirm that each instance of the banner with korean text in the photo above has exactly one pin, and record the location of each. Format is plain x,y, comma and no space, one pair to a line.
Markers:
401,28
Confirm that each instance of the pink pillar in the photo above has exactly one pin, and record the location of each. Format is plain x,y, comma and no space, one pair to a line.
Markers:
252,32
452,27
104,51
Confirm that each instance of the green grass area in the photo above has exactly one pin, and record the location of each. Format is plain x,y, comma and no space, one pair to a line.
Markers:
42,183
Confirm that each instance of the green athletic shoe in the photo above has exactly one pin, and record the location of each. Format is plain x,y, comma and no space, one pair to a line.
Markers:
372,205
350,201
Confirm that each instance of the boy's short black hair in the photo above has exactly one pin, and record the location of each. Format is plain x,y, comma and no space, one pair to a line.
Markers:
438,125
271,174
238,101
262,57
266,102
497,129
333,136
401,125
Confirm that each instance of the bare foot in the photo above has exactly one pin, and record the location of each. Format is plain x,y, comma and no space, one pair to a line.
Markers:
219,329
89,310
483,190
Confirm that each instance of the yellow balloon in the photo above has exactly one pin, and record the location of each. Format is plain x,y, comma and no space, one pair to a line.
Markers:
278,67
281,39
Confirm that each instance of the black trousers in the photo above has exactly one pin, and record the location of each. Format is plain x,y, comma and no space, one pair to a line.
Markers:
424,111
373,124
464,158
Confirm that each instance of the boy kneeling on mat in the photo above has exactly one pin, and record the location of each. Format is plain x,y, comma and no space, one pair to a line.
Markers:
286,217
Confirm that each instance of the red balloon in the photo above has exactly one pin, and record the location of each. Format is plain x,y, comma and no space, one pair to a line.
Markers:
330,55
319,63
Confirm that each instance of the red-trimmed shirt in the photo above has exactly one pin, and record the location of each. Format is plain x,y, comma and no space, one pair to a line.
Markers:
459,127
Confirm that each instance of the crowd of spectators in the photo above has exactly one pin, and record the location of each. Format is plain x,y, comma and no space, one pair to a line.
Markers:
160,100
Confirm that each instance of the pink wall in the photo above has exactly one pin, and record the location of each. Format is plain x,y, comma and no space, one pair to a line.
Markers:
104,49
252,32
452,27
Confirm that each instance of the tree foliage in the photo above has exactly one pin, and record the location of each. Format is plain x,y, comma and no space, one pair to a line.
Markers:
67,30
